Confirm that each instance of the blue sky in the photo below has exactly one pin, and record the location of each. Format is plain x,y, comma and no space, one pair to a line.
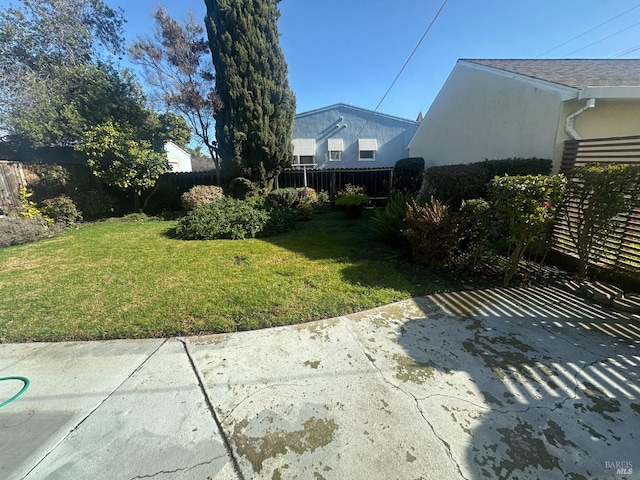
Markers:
350,51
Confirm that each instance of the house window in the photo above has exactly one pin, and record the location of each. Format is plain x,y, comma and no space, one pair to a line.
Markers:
367,148
304,151
336,146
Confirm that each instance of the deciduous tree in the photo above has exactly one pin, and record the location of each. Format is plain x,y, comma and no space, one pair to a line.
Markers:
177,65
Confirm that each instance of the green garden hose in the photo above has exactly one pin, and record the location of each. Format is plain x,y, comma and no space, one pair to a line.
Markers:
24,380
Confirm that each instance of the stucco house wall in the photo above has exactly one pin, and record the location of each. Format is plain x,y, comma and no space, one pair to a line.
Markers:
178,158
354,130
477,115
519,108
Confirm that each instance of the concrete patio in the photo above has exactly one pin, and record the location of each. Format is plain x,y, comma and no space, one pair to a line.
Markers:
501,383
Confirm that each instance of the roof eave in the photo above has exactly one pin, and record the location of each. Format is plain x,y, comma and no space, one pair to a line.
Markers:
565,92
612,93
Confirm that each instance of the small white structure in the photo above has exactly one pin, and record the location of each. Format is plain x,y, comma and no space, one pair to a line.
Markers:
179,159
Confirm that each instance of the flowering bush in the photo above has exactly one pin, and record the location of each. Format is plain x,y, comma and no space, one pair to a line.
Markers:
527,206
199,195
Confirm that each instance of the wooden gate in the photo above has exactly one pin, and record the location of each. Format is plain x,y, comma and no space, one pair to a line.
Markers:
11,181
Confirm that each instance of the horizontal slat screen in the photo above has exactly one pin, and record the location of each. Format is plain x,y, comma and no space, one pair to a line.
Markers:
621,251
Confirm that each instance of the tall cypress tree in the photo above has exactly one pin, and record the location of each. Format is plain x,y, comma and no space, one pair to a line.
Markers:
255,124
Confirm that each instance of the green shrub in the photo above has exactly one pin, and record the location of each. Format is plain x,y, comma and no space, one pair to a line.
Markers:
228,218
432,232
28,208
407,174
18,230
352,205
596,195
475,223
283,197
62,210
199,195
323,198
389,221
242,188
307,195
305,211
452,184
96,204
281,220
527,206
350,189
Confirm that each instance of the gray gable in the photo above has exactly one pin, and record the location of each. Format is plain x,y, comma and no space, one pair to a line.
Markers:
577,73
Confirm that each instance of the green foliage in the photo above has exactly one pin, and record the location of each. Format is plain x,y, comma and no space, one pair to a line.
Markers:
283,197
527,206
281,220
475,227
228,218
431,231
62,210
254,123
407,175
96,204
242,188
28,208
307,195
350,189
452,184
599,193
199,195
305,211
352,205
115,154
389,221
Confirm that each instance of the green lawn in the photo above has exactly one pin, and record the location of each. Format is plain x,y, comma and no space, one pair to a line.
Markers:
132,280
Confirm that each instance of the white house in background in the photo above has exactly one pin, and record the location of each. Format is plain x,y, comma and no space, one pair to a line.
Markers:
179,159
344,136
527,108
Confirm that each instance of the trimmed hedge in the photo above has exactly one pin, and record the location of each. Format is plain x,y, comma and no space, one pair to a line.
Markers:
407,174
452,184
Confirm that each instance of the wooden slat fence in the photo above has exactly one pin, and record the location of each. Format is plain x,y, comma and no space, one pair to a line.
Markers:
621,251
376,181
11,181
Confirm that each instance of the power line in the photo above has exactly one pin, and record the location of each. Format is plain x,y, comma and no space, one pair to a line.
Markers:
406,63
410,56
605,38
627,52
588,31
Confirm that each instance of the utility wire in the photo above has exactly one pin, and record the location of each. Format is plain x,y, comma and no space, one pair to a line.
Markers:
406,63
588,31
627,52
411,56
605,38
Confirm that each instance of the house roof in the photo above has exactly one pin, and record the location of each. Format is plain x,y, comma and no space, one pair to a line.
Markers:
576,73
355,109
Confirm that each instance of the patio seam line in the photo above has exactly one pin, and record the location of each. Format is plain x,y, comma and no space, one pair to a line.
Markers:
212,411
445,445
102,402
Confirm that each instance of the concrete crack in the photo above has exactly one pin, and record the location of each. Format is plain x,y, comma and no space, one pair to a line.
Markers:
416,401
183,469
266,387
212,411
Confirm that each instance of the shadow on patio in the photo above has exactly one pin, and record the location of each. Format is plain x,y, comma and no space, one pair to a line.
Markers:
538,383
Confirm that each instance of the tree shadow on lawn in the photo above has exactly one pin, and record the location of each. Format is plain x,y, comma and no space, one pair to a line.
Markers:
526,383
370,262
